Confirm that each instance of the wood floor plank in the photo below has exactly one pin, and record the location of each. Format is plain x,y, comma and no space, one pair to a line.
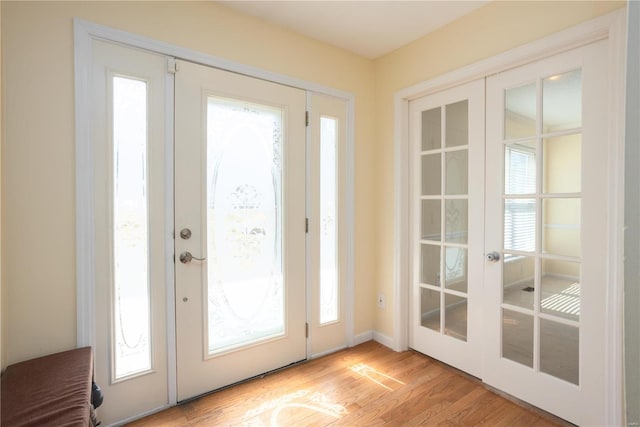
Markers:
366,385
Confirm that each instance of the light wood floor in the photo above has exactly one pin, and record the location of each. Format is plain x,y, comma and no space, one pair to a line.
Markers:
366,385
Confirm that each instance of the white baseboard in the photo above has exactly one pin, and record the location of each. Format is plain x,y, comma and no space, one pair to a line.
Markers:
139,416
383,339
362,338
373,335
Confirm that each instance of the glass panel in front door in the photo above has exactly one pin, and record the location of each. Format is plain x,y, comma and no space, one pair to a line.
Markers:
245,301
541,223
444,219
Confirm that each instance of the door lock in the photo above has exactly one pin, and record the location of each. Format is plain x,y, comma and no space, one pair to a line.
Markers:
185,234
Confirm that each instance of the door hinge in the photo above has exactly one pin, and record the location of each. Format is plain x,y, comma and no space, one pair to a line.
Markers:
306,330
306,225
172,66
306,118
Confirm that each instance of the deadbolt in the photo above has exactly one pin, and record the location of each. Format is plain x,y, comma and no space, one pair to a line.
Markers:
185,233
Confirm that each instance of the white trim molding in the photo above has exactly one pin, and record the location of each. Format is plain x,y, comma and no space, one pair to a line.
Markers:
611,27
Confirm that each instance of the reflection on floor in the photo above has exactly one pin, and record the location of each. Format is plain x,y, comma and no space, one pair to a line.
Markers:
559,342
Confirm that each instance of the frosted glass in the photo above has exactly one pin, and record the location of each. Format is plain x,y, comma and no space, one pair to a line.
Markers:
244,224
328,216
132,351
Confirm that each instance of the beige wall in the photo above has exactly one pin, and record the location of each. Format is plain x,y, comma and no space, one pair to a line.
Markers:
492,29
38,161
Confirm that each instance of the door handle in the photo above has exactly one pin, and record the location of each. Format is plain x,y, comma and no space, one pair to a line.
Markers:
186,257
493,256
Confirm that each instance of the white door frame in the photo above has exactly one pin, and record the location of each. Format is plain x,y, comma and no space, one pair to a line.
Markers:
611,27
84,33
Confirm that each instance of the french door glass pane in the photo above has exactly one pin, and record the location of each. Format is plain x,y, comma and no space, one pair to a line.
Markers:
431,214
456,220
520,168
561,226
562,168
431,178
132,329
430,265
457,175
520,112
518,280
328,221
431,129
520,225
244,224
559,350
562,101
455,316
457,124
455,269
517,337
560,291
430,309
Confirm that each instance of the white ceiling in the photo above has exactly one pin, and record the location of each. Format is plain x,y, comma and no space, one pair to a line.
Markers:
368,28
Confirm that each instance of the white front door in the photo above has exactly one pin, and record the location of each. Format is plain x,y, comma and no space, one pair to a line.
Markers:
447,213
547,196
239,227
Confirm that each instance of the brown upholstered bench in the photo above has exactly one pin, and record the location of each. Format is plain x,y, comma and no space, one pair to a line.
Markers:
53,390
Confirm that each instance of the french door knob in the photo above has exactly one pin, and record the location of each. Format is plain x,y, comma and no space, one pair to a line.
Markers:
493,256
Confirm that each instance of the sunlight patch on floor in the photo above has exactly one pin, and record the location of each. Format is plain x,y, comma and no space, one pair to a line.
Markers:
270,413
383,380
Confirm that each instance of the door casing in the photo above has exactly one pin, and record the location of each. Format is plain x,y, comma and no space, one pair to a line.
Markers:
610,27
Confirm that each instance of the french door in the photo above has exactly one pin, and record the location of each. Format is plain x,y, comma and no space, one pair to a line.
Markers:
529,316
546,224
240,227
447,220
